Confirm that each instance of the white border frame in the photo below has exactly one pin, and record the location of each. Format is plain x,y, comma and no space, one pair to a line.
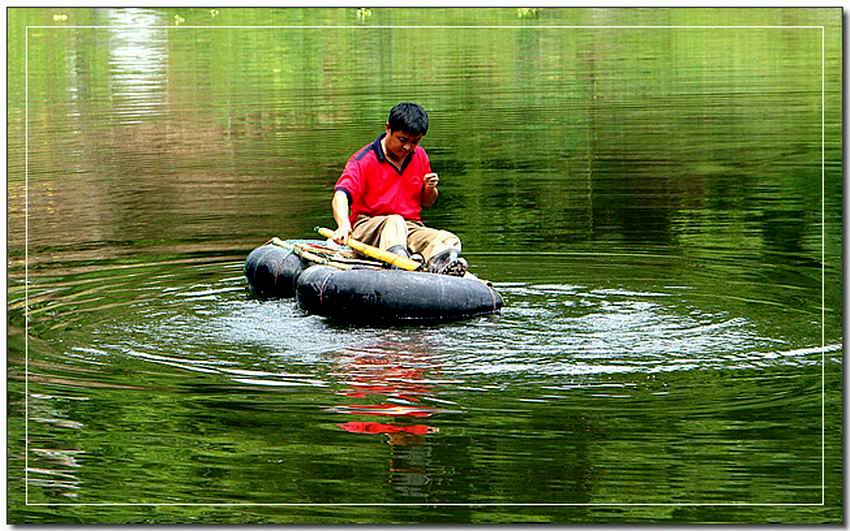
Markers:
433,504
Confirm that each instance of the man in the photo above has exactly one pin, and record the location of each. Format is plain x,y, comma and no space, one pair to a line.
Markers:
379,198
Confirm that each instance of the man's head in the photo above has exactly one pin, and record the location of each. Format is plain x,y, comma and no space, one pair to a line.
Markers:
406,125
408,117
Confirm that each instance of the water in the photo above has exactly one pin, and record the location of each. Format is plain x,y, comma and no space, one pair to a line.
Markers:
647,201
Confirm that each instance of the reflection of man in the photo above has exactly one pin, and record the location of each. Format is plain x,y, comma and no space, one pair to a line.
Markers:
410,453
400,378
379,198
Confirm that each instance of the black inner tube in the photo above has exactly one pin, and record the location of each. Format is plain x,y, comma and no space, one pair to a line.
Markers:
388,295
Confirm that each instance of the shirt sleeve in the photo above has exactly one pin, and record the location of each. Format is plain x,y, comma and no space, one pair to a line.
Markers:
351,180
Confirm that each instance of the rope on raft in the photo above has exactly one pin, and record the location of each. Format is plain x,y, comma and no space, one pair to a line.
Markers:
339,258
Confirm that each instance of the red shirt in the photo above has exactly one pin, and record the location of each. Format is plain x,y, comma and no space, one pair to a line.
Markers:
375,187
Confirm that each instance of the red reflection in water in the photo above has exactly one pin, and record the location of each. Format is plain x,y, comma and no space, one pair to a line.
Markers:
400,380
395,375
384,376
386,410
378,428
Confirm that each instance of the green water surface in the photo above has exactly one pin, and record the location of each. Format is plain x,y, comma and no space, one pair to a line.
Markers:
657,194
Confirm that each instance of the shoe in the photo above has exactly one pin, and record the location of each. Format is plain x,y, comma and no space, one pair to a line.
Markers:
419,259
456,268
400,250
448,263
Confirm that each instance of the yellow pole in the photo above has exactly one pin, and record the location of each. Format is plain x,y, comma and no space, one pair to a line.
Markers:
373,252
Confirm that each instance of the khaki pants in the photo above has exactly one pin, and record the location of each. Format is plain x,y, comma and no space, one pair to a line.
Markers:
388,231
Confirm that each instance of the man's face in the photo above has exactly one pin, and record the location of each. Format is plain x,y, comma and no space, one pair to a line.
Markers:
401,143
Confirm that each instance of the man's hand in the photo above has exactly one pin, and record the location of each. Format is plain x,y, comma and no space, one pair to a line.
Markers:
429,190
339,207
431,180
342,233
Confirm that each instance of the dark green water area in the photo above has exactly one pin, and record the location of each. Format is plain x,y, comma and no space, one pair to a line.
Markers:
656,193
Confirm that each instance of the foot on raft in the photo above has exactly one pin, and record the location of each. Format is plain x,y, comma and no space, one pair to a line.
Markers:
333,283
449,263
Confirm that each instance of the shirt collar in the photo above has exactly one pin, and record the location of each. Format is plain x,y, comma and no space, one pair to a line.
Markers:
379,152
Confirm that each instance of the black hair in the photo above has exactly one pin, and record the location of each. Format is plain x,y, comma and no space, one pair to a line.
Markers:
408,117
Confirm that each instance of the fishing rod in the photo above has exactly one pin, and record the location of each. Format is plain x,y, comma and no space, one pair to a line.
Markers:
399,261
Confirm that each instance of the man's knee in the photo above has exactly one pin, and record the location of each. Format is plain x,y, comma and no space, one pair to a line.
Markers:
449,239
394,226
396,221
393,232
